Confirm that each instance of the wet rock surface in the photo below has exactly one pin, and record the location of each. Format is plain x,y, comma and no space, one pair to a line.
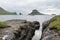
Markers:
19,30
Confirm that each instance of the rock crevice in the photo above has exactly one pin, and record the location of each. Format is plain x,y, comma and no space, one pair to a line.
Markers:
19,30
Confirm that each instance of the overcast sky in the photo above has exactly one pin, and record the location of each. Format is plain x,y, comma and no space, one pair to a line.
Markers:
26,6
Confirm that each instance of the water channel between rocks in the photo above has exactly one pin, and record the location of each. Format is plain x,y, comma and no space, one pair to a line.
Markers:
40,18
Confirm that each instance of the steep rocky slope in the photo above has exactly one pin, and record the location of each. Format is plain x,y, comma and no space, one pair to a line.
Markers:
51,29
19,30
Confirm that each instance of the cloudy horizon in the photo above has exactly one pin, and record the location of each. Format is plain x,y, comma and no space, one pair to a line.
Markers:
26,6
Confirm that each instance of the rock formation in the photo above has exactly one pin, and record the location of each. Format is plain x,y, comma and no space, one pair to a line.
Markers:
19,30
35,12
51,29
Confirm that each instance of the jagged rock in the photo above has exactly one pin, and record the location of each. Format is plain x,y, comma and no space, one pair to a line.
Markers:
50,33
19,30
45,24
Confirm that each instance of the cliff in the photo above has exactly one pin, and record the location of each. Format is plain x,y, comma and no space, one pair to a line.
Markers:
19,30
51,29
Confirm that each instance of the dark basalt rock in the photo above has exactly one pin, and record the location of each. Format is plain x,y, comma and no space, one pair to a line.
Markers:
36,24
27,31
19,30
45,24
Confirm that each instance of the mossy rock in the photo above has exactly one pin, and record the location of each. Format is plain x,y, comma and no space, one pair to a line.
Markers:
55,24
3,25
55,18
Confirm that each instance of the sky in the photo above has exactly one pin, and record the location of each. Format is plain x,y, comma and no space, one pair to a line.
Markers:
26,6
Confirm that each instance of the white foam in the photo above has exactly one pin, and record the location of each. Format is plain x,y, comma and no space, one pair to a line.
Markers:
5,36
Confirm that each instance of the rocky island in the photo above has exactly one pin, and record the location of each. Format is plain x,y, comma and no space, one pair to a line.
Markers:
51,29
17,29
35,12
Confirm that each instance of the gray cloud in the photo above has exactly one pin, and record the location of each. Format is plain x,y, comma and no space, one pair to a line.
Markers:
25,7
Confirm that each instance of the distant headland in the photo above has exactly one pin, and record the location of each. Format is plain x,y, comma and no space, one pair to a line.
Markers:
4,12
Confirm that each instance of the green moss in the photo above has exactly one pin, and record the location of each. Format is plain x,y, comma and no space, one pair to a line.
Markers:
3,25
55,24
55,18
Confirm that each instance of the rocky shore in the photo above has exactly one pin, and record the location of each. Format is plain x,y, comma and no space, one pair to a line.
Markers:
19,30
51,29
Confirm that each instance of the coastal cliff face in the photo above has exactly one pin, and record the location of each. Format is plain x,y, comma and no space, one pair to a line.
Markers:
19,30
51,29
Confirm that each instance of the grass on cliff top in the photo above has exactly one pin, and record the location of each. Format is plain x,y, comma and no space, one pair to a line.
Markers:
3,25
55,21
55,24
55,18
